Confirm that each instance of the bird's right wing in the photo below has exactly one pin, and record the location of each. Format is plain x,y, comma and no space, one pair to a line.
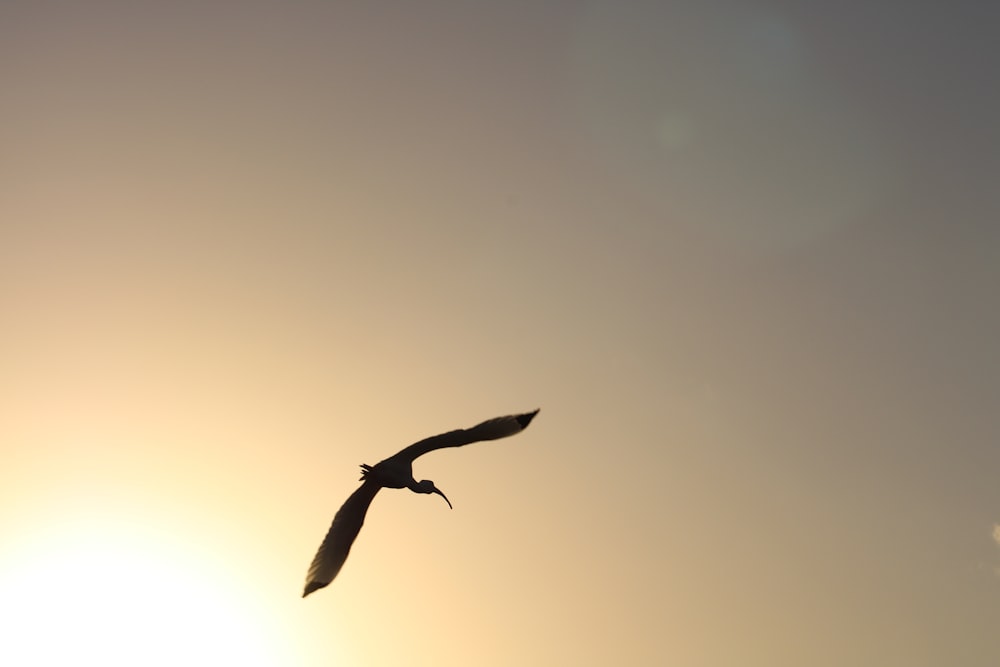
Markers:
337,543
491,429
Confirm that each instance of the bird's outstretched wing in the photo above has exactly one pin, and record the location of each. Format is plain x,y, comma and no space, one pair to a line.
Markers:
337,543
491,429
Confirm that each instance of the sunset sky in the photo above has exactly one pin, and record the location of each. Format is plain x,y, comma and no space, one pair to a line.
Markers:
745,257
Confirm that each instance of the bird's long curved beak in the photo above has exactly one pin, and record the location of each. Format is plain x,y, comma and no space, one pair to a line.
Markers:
438,491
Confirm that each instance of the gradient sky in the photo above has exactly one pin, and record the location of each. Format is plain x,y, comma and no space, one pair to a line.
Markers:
745,256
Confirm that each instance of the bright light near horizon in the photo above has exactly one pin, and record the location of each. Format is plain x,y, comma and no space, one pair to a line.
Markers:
115,599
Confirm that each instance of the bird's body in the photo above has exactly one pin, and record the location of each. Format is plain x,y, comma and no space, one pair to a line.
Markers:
391,473
395,472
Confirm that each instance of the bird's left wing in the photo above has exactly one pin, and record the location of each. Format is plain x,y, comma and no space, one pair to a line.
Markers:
337,543
491,429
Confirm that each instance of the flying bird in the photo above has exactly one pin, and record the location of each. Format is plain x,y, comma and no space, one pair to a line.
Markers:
395,472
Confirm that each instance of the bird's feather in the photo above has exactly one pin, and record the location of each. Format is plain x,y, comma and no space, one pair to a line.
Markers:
337,543
491,429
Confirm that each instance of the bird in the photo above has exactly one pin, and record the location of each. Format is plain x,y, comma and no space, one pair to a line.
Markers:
395,472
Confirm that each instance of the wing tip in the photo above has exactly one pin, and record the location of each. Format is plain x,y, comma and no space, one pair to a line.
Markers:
314,586
525,419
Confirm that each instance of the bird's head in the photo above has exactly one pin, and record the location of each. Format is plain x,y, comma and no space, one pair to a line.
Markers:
427,486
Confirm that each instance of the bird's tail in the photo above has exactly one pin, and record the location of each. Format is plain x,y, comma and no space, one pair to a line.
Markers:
365,469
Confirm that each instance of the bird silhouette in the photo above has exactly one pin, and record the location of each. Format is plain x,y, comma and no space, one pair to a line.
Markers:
395,472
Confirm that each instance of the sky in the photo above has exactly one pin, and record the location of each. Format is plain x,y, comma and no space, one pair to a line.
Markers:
743,255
